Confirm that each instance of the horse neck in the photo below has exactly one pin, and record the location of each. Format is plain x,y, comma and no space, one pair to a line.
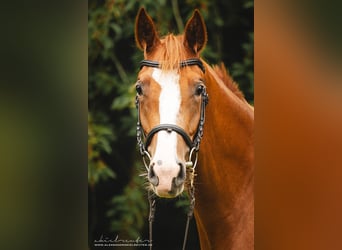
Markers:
224,183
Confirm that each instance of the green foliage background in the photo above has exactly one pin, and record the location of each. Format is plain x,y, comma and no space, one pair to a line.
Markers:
117,198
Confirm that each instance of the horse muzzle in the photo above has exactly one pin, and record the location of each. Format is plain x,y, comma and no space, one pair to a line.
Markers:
167,180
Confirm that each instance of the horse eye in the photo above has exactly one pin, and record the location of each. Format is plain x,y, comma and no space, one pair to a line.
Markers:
138,88
199,89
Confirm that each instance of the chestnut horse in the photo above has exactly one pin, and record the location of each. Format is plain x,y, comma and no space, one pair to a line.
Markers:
172,88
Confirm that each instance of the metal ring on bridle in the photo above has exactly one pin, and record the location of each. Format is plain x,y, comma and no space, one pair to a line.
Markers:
196,157
144,156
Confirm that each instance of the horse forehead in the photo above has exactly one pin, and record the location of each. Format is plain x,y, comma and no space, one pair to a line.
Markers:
178,77
170,97
168,80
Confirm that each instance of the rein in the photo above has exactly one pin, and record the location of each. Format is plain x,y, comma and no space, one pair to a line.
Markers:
192,144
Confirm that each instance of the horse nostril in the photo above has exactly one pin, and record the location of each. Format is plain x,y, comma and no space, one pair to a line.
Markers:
179,180
153,179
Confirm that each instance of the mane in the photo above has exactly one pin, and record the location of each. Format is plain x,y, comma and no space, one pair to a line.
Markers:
222,73
173,52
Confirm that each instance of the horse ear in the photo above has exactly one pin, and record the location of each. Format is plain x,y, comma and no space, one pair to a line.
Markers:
146,35
195,37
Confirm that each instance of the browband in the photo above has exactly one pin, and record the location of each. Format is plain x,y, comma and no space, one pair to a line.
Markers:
188,62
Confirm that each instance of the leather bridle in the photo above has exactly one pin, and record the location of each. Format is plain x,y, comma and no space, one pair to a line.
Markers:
192,144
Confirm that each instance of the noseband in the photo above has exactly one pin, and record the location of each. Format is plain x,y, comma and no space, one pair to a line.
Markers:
192,144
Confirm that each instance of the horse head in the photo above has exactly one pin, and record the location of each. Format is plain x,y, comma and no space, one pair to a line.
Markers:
171,97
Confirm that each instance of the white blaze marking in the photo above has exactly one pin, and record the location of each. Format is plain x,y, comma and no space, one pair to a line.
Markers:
169,104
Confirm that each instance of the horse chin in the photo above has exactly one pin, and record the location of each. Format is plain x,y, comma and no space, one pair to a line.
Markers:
168,194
